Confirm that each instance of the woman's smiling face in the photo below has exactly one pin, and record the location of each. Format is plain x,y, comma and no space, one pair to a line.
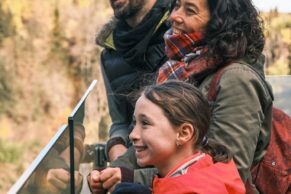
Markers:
190,16
153,136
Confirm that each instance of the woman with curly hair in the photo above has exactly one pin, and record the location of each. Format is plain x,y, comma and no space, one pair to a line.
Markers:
210,37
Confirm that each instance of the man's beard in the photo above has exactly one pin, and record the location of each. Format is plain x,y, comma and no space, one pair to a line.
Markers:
128,10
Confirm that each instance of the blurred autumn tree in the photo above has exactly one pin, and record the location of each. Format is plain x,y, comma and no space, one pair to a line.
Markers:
6,30
278,42
48,57
6,24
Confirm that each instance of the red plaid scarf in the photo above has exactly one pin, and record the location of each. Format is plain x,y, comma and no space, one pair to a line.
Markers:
185,57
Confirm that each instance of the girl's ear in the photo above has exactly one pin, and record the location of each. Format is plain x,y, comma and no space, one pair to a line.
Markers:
185,133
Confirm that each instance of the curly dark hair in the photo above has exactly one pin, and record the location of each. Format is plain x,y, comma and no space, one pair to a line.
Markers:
234,30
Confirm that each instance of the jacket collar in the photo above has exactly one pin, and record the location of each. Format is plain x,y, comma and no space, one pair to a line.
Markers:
104,37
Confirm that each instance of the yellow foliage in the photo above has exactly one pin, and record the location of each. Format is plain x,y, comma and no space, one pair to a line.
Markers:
5,128
18,8
281,21
286,35
83,3
280,67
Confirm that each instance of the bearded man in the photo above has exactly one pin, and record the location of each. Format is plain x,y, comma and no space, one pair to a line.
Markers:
133,52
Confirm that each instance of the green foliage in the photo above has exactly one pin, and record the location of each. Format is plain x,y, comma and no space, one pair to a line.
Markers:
10,152
59,47
104,126
6,24
6,97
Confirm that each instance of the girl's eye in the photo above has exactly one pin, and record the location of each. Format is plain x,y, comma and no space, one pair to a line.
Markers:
144,122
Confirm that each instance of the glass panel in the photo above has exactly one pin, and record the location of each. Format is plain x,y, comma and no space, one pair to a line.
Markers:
49,173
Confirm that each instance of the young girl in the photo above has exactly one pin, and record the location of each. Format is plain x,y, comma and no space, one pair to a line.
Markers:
171,121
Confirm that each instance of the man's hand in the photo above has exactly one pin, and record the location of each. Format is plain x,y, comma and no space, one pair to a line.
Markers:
116,151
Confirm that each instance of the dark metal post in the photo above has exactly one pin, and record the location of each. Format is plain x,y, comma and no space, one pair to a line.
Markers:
72,156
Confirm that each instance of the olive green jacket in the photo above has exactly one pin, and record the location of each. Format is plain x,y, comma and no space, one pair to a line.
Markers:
241,117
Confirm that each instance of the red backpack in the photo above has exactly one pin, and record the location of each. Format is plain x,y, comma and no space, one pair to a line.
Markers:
272,175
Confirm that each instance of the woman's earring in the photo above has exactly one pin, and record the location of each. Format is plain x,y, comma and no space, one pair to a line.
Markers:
178,144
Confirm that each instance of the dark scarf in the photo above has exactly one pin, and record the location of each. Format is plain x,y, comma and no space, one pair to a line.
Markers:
133,43
187,58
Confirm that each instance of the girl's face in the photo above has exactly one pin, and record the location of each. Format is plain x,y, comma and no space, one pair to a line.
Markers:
153,136
190,16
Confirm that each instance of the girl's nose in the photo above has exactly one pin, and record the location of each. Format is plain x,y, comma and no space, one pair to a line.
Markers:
134,134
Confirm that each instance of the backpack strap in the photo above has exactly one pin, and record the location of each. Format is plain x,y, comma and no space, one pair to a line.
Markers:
212,92
214,83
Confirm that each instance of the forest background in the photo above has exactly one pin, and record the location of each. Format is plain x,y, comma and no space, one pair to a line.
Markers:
48,57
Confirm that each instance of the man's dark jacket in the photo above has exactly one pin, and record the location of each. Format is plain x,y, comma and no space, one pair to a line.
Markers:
130,60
